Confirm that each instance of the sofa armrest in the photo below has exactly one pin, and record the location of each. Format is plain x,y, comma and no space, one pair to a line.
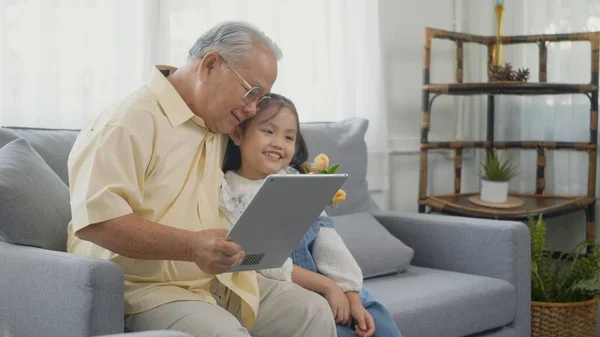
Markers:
491,248
50,293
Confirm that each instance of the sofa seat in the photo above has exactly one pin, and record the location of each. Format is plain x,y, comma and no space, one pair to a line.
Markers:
431,302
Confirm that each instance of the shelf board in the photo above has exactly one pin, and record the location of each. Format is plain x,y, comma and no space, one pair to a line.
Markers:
549,205
509,88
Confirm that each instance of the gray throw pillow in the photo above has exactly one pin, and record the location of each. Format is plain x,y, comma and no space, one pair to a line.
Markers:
344,143
376,250
34,201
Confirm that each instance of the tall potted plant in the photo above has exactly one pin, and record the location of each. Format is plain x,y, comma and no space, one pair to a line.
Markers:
564,291
496,173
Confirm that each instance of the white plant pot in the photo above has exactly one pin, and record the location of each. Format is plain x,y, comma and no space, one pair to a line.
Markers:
494,191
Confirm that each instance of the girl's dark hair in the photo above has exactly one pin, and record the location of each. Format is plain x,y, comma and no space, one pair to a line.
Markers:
233,157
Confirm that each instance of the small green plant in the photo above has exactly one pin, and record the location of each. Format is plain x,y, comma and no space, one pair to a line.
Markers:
495,168
573,277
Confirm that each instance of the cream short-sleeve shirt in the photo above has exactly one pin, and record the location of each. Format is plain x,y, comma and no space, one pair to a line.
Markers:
150,155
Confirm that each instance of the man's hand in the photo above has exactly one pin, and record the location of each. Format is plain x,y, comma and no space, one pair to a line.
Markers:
365,327
212,253
339,304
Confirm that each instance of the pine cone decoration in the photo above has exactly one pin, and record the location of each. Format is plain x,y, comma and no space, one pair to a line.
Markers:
522,75
506,73
495,73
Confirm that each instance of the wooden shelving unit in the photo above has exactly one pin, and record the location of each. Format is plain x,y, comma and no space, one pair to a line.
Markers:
537,202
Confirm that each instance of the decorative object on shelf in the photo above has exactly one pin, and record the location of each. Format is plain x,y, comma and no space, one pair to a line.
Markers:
497,57
511,202
506,73
496,172
564,291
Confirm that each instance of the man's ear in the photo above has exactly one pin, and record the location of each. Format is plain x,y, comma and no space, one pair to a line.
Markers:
236,135
208,63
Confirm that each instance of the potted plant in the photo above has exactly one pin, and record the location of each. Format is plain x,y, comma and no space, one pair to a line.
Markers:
496,172
564,291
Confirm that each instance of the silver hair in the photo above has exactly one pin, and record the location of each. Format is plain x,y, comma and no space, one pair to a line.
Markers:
233,40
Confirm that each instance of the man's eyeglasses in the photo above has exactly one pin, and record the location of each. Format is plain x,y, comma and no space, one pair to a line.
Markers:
253,94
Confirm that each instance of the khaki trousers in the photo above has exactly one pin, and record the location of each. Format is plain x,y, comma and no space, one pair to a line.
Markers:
286,310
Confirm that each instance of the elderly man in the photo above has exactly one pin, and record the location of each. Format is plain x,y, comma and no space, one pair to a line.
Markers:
144,179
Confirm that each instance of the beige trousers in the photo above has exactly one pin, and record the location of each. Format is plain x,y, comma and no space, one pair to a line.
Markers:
286,310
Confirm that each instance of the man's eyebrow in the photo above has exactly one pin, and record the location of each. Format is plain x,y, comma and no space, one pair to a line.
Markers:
254,83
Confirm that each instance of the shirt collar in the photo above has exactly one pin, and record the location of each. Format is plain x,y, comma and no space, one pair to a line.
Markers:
173,106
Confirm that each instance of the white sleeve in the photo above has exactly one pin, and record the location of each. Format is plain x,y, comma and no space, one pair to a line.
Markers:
283,273
334,260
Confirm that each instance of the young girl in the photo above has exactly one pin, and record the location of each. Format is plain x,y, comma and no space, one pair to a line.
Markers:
271,143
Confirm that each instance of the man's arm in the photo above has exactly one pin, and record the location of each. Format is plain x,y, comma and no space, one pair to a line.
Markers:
135,237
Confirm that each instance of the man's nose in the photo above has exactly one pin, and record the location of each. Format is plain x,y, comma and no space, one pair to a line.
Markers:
250,109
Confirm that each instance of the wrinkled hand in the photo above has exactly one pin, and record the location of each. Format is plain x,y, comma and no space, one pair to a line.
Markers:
212,253
339,304
365,327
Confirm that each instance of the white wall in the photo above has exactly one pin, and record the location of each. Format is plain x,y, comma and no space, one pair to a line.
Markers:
402,26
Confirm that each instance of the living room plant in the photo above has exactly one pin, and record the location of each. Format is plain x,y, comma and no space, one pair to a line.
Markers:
496,173
564,289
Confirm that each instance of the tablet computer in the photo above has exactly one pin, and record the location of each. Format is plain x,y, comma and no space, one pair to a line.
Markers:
279,216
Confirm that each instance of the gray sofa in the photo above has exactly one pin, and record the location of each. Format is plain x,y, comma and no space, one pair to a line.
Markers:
438,275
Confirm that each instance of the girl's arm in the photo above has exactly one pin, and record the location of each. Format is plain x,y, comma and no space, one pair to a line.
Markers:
312,281
335,261
353,298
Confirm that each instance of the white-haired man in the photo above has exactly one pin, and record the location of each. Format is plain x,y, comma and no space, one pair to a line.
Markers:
144,181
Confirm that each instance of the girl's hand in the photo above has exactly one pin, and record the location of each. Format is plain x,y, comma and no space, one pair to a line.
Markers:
365,327
339,304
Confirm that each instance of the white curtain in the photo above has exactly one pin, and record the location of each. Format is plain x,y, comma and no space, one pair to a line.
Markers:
551,118
62,61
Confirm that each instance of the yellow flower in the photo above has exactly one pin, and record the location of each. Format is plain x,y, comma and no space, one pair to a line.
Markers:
321,162
339,196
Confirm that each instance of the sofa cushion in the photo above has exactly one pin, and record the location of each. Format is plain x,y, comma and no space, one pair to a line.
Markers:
431,302
34,202
344,143
7,136
376,251
53,145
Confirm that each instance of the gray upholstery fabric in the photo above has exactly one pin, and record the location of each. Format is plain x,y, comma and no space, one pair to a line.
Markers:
7,136
160,333
34,202
505,331
497,249
430,302
48,293
344,143
376,251
52,145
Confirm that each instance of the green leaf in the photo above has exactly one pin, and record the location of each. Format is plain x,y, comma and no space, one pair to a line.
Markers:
572,277
494,168
333,169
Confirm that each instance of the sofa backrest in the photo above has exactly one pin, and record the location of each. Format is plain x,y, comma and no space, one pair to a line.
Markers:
46,203
53,145
343,142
